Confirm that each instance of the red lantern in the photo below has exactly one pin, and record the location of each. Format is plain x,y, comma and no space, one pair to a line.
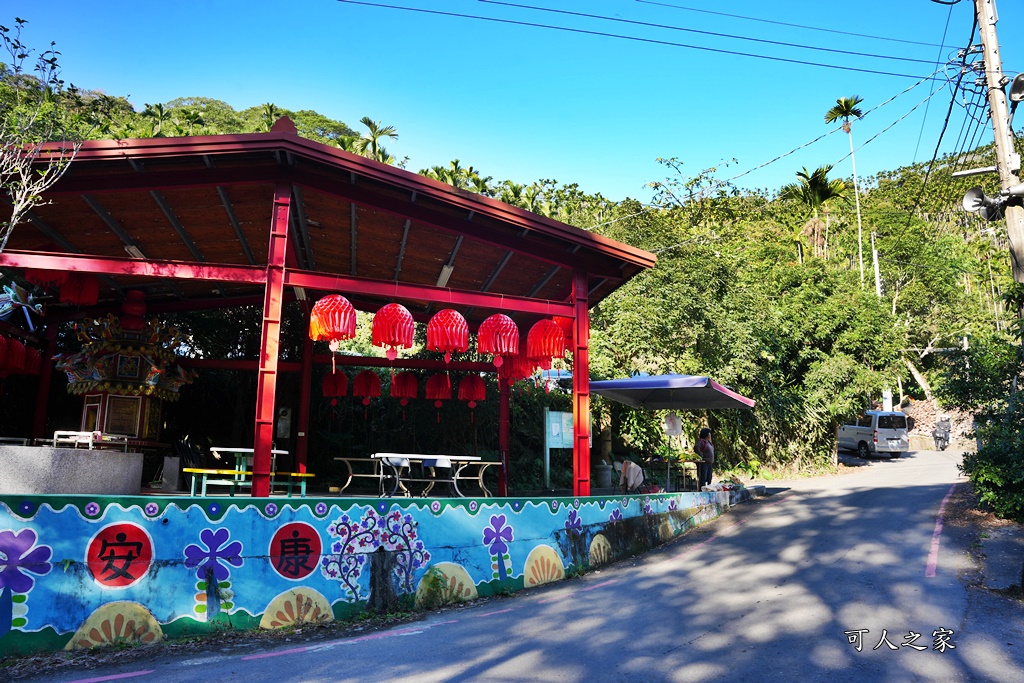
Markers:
367,385
515,368
438,389
568,326
447,331
393,327
499,336
405,386
80,289
544,342
46,279
335,384
472,389
333,319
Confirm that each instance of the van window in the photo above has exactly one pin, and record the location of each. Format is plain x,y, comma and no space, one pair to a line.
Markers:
892,422
864,421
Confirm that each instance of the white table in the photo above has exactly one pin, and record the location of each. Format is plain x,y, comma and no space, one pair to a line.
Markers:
399,465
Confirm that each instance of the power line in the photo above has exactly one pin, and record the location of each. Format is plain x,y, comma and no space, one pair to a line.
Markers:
705,33
782,23
603,34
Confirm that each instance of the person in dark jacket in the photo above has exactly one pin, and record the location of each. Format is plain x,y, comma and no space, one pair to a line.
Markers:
706,450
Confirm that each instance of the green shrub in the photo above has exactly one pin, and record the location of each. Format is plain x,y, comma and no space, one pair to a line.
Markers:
997,469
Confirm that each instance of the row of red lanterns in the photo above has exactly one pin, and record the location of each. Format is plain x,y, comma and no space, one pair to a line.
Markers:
18,359
404,386
333,320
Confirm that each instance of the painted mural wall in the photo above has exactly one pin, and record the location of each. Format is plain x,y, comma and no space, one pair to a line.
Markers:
84,571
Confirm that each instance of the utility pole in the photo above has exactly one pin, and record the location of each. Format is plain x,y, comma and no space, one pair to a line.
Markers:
1007,159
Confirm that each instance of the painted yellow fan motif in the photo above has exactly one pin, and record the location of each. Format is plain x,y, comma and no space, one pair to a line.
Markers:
543,565
116,623
600,551
444,584
297,606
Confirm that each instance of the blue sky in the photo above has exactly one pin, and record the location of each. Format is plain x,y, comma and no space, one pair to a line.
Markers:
524,102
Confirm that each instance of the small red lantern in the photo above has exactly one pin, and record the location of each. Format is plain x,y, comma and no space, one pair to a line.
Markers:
447,331
405,386
516,367
80,289
438,389
472,389
567,324
334,385
47,279
498,335
367,385
393,327
544,342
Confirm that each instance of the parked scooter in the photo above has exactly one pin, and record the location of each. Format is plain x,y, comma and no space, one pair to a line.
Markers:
940,434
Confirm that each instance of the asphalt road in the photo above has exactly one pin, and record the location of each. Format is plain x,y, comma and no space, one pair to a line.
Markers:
827,579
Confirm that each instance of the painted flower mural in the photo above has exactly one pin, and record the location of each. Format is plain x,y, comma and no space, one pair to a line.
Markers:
20,559
394,532
497,536
212,561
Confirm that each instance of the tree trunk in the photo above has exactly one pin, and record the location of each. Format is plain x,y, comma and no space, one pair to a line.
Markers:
921,381
383,597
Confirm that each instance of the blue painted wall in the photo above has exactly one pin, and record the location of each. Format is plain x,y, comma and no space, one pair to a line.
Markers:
82,571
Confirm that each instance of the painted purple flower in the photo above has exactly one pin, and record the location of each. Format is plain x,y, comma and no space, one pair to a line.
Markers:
92,508
271,509
17,556
383,507
616,515
152,509
648,510
435,506
554,506
574,524
209,558
214,508
576,503
25,508
516,504
625,502
321,508
672,505
498,535
473,506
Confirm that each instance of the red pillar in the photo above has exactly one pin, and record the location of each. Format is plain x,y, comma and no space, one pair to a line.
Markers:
504,411
273,303
302,437
581,387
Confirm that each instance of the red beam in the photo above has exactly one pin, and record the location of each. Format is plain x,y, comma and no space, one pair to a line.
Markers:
349,361
442,295
220,272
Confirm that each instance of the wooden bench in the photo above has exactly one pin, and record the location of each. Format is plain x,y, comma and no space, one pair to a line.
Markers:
90,440
243,478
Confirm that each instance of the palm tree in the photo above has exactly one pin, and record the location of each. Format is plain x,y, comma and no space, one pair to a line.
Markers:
269,114
845,109
816,192
160,116
369,144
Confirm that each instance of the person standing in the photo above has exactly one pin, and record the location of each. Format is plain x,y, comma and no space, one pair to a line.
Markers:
706,450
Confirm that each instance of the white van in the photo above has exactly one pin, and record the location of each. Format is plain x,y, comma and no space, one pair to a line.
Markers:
876,431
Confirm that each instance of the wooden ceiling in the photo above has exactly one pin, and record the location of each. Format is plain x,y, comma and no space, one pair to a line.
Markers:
207,203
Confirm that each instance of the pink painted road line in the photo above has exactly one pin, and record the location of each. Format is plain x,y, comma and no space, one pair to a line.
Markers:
115,677
933,554
599,585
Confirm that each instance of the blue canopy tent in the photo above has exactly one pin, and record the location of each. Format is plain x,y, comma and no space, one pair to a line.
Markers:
670,392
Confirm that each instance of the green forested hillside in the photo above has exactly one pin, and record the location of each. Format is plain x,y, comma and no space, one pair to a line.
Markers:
762,290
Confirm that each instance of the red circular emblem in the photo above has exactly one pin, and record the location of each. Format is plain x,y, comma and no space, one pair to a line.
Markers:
295,550
119,555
